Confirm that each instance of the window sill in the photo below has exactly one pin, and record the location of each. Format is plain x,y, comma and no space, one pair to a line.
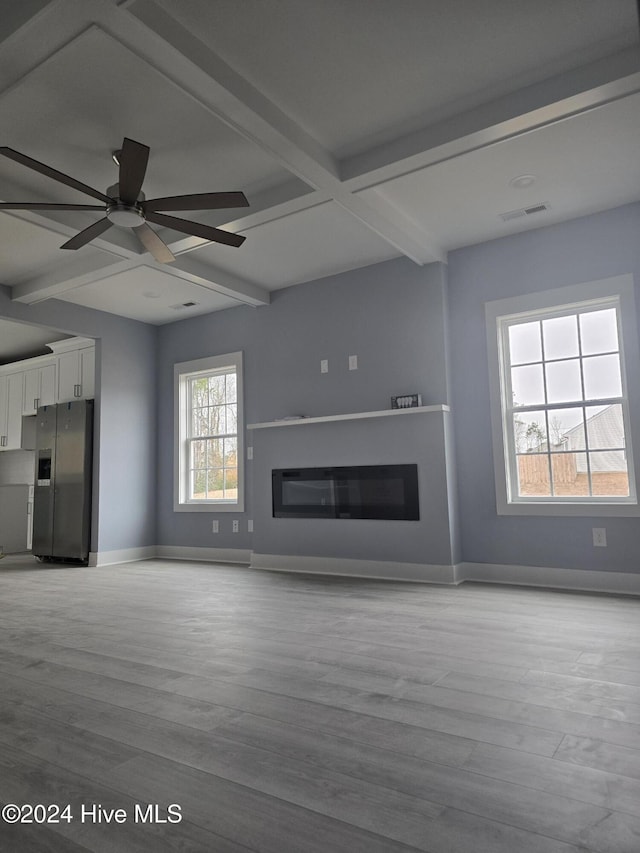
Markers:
571,510
209,507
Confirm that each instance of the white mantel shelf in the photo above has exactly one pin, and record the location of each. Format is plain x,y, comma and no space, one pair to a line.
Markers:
352,416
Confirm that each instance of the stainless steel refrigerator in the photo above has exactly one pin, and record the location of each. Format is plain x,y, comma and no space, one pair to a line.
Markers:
62,490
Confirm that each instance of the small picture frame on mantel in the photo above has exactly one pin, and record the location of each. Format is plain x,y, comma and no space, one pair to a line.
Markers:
406,401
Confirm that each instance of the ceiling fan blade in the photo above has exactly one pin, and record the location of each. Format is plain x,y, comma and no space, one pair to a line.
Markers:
84,237
134,157
196,229
52,173
156,247
27,205
198,201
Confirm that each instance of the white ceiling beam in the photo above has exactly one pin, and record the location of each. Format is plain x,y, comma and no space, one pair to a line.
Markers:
150,32
525,111
190,269
199,71
83,270
80,271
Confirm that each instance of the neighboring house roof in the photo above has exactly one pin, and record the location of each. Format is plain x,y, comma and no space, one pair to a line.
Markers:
605,430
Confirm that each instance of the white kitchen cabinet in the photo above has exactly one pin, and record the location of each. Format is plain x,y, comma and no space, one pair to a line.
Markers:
10,410
67,374
76,374
39,388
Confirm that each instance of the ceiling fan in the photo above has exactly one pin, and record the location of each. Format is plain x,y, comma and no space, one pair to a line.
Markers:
124,204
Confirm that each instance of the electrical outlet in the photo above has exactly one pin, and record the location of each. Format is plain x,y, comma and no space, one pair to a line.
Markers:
215,526
250,525
353,362
249,452
324,366
599,537
236,526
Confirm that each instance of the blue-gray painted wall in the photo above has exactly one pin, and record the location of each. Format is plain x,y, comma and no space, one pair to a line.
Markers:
394,317
391,315
587,249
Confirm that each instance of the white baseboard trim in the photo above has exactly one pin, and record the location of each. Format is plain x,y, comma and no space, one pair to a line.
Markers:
569,579
207,555
126,555
370,569
620,583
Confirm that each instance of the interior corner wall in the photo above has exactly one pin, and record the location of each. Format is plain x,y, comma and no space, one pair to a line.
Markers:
391,315
125,490
587,249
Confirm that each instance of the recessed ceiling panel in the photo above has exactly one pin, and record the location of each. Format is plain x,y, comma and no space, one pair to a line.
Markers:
314,243
27,249
354,71
73,111
149,295
582,165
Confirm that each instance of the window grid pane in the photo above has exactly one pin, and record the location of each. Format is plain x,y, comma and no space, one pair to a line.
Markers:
562,447
212,438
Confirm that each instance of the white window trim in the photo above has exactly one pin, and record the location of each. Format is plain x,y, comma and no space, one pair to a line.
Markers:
181,372
621,287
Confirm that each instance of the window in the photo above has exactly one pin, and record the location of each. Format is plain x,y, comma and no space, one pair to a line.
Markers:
209,430
562,415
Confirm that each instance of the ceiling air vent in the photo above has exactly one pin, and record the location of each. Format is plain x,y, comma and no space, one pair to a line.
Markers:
182,305
524,211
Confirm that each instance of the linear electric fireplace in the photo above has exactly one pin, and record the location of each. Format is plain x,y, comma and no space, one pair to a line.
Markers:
354,491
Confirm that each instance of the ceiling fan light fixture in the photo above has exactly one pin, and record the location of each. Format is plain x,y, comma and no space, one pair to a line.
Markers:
125,215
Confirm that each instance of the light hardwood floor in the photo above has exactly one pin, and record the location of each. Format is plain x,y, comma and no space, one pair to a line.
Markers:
298,714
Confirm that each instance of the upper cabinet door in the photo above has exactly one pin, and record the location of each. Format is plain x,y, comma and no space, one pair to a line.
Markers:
68,376
31,391
39,388
11,390
76,374
48,389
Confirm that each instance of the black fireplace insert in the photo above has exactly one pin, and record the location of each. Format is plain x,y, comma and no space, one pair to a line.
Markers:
354,491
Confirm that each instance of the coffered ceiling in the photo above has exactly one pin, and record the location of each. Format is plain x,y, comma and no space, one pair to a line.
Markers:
359,130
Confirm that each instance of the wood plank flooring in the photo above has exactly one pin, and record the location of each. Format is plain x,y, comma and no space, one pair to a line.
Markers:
299,714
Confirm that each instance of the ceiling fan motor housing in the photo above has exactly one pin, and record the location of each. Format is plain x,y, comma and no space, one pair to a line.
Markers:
122,214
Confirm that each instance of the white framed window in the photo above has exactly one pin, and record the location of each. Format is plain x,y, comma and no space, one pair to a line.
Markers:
562,406
209,430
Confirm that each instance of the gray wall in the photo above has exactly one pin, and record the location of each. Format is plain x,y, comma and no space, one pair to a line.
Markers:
395,440
124,496
390,315
585,249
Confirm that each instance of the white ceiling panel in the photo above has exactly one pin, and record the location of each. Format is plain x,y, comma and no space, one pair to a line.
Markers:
26,248
91,94
149,295
359,131
586,164
351,71
288,251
